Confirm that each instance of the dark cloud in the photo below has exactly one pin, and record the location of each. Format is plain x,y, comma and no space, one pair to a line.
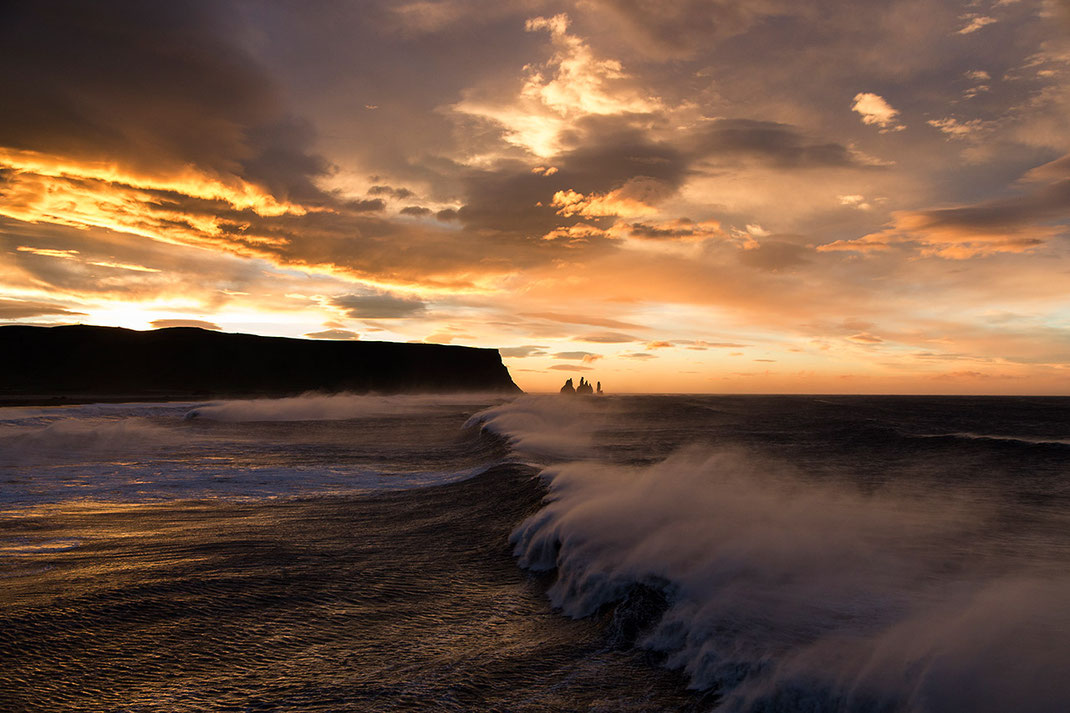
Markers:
198,323
1051,202
379,305
570,367
446,215
151,86
680,29
574,355
21,309
639,355
778,145
652,232
390,191
373,205
415,210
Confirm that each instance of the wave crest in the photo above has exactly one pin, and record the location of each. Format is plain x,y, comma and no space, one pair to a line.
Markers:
331,407
786,594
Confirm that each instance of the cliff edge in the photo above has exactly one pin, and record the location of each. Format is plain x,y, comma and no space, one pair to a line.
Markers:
80,362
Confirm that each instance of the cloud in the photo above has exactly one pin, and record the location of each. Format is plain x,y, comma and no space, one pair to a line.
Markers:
1018,224
775,255
339,334
607,338
521,352
569,367
781,145
680,29
379,305
700,344
956,129
21,309
197,323
634,199
400,193
415,210
974,22
581,319
678,229
639,355
585,357
574,83
151,87
876,111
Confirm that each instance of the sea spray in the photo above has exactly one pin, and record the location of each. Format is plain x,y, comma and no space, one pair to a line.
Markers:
333,407
785,593
546,427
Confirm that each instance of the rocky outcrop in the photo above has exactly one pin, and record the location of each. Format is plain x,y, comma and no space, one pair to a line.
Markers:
83,363
584,388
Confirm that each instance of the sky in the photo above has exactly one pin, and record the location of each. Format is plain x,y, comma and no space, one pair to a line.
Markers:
662,195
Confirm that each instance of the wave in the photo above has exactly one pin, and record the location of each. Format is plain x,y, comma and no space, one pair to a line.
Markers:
1032,440
553,427
332,407
779,593
74,437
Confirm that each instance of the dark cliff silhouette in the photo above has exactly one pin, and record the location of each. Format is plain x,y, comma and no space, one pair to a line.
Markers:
79,362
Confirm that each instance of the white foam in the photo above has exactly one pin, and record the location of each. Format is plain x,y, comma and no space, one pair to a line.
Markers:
786,594
554,426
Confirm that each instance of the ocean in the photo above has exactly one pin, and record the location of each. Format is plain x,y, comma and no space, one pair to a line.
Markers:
538,553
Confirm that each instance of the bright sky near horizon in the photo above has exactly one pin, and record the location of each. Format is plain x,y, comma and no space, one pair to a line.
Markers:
663,195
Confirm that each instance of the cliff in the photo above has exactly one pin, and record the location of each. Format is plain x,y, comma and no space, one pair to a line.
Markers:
77,363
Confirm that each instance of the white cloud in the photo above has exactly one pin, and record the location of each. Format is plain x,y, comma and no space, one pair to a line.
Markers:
574,83
876,111
956,129
974,22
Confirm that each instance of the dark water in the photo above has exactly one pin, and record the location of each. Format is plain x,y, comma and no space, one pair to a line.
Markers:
676,553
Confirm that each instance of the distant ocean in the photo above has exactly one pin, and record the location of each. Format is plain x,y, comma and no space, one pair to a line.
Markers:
539,553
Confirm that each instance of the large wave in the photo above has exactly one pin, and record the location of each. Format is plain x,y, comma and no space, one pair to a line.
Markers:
782,593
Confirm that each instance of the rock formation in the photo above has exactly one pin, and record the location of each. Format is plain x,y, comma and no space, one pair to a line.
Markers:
584,388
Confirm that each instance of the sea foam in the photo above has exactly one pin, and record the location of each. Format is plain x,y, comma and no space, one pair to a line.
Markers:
786,594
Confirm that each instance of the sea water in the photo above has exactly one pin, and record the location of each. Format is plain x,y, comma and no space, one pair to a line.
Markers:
539,553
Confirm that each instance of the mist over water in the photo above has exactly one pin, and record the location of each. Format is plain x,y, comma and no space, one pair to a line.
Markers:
540,553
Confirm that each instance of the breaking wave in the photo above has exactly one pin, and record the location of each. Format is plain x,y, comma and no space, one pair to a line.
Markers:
780,593
332,407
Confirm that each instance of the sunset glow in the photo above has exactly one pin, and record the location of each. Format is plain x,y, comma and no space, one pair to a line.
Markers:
668,197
